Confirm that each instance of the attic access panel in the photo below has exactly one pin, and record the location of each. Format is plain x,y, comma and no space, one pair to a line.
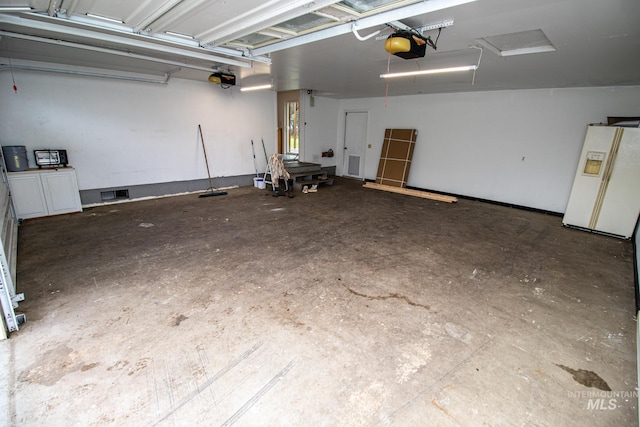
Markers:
520,43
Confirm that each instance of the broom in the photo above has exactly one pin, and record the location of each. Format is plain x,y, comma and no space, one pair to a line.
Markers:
211,191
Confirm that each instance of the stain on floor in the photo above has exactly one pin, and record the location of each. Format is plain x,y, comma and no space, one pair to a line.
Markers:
176,320
587,378
52,366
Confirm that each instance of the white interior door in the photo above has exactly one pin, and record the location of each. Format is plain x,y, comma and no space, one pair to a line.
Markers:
355,138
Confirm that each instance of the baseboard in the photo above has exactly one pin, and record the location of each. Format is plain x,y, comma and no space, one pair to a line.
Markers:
94,196
478,199
144,191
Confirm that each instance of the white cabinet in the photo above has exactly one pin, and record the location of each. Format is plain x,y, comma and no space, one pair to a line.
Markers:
27,194
44,192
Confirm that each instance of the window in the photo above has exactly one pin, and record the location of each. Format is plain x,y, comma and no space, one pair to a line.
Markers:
292,127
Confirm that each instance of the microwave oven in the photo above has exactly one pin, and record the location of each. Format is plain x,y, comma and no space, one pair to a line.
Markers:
51,158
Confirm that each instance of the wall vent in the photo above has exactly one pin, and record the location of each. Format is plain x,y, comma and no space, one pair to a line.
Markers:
106,196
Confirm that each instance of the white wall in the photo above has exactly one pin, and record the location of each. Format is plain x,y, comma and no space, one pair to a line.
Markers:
126,133
519,147
319,124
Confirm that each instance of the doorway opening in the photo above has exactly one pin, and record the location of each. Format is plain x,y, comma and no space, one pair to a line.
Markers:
292,129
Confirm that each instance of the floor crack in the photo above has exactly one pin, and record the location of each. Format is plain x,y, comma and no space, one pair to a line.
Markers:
390,296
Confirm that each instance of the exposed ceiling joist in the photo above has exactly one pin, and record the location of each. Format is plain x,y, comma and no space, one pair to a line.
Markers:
124,40
104,50
146,22
175,14
270,14
53,7
363,23
70,10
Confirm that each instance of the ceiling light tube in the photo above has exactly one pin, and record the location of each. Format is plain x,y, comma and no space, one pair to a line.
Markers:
105,18
432,71
527,50
252,88
184,36
15,8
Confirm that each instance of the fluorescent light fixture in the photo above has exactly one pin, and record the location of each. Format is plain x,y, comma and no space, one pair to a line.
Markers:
432,71
105,18
252,88
15,8
184,36
527,50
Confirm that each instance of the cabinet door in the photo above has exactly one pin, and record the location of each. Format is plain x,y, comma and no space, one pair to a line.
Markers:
61,192
28,198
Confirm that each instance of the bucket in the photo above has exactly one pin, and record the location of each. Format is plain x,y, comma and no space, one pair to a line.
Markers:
15,157
259,183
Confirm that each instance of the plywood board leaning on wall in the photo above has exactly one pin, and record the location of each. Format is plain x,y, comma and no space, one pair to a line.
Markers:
395,158
395,162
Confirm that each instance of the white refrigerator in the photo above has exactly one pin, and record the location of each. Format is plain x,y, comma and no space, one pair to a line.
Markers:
605,196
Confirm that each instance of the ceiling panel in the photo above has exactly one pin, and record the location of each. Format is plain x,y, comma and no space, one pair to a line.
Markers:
597,42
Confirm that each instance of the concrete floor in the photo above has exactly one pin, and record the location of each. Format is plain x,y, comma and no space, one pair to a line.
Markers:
347,307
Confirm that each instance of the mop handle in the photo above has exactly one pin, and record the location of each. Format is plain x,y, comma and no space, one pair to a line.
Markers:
204,150
265,151
255,161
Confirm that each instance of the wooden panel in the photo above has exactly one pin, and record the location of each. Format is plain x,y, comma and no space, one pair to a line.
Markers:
414,193
396,156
